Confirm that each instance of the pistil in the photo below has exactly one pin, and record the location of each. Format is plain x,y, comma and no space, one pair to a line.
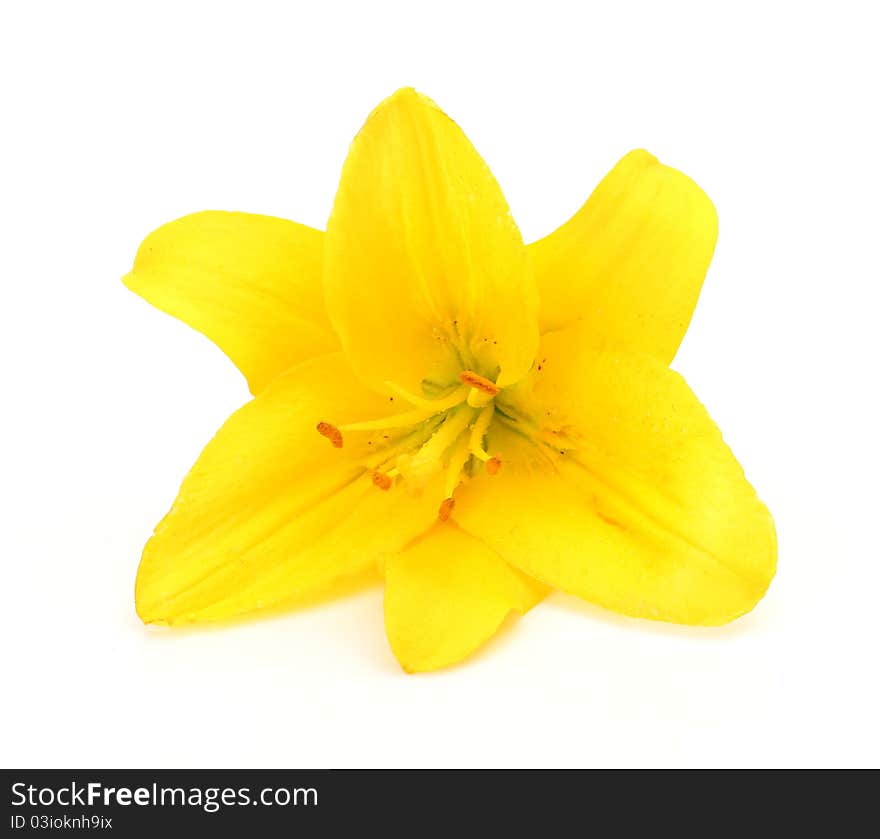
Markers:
445,433
432,452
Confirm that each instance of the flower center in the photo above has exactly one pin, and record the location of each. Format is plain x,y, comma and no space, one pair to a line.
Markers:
442,434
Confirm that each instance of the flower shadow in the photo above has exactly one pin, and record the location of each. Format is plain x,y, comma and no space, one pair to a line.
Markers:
356,584
747,624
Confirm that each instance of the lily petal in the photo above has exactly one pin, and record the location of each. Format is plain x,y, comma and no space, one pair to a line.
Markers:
272,511
630,263
633,501
250,283
446,595
425,270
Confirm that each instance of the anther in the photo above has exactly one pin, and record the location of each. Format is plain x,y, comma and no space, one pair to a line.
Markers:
382,480
493,464
331,432
481,383
446,509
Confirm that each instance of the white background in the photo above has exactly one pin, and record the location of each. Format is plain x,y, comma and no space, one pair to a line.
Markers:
118,117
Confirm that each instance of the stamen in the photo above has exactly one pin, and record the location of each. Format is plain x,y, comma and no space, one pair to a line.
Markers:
439,434
446,508
331,432
382,480
391,450
478,431
431,452
478,399
408,418
460,455
481,383
429,404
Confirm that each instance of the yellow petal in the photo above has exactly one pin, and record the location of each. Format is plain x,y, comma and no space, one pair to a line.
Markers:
425,270
633,501
631,261
446,595
272,511
252,284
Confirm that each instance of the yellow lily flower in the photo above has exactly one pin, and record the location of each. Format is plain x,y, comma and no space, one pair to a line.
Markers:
481,420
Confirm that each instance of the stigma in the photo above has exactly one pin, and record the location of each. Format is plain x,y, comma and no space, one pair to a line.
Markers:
445,436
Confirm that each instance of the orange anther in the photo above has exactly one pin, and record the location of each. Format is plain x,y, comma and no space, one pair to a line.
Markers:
493,464
446,509
382,481
331,432
481,383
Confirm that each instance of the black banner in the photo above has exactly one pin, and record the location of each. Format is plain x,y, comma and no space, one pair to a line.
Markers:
335,802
